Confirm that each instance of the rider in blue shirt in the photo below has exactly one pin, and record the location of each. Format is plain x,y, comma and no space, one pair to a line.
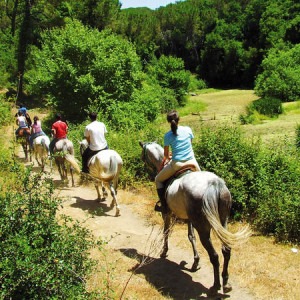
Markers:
180,140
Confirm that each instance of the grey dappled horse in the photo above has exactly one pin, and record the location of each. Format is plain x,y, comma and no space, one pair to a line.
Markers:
105,166
202,199
41,150
64,153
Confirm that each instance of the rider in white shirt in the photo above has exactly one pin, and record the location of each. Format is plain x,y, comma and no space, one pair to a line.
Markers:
95,136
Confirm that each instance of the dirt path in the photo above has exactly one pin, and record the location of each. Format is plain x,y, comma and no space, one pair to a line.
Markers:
135,239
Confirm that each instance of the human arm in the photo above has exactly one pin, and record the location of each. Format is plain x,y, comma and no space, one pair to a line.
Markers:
167,157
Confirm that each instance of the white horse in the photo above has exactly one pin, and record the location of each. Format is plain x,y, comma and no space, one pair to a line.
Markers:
64,153
41,150
105,167
202,199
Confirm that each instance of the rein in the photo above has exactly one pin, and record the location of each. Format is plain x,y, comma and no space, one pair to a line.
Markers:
147,160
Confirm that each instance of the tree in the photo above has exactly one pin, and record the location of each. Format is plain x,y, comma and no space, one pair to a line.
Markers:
78,66
280,77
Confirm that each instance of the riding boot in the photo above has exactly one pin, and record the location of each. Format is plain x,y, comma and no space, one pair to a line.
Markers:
163,204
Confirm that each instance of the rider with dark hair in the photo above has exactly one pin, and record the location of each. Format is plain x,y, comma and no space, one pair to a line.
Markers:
95,136
21,122
180,140
60,130
36,130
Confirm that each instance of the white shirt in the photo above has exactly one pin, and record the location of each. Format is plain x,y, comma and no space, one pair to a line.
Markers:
96,132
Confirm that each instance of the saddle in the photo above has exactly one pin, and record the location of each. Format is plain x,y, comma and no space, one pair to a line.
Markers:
23,132
179,173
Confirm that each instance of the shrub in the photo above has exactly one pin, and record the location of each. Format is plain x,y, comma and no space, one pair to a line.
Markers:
169,72
259,109
40,257
196,84
264,183
78,66
268,106
5,114
280,77
298,136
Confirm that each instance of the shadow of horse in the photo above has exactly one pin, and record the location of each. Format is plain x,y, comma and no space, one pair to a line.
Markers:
168,277
93,207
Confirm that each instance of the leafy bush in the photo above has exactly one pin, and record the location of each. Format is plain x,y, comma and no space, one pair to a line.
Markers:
267,106
298,136
264,183
78,66
5,114
258,109
169,72
280,77
196,84
39,257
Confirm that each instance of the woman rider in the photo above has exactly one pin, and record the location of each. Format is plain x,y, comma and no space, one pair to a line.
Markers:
180,140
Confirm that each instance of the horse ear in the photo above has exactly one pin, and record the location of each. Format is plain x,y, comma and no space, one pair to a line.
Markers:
79,142
141,144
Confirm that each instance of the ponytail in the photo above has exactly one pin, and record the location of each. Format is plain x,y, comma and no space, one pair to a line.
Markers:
173,118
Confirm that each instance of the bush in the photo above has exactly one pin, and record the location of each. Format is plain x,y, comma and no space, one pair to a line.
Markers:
280,77
268,106
298,136
40,257
5,113
264,183
78,66
196,84
169,72
258,109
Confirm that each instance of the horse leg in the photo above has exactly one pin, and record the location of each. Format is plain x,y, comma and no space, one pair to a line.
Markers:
192,238
114,201
204,235
72,175
98,192
167,222
226,286
105,194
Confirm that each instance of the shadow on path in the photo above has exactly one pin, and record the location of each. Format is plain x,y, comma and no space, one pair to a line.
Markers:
168,277
93,207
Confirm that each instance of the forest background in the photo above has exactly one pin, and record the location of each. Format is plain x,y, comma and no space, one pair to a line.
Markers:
132,65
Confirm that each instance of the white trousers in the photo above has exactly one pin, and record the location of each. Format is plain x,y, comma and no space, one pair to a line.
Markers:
171,168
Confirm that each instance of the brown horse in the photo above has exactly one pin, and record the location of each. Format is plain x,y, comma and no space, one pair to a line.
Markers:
204,201
22,138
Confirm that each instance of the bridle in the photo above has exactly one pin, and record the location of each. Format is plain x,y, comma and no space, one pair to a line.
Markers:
145,158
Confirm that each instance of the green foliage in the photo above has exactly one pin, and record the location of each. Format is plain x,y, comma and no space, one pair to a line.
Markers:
41,257
78,66
5,114
169,72
298,136
280,77
260,109
264,183
196,84
267,106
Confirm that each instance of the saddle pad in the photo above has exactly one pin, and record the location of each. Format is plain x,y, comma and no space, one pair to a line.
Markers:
180,173
23,132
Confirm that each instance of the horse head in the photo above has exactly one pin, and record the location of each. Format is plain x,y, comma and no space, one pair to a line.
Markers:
152,154
83,145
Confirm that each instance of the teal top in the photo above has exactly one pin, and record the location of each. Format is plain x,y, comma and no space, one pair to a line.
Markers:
181,143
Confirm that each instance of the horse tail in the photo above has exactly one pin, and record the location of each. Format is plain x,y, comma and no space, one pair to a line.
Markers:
73,162
112,170
210,209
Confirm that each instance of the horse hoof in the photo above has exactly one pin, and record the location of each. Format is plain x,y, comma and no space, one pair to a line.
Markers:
117,213
213,291
227,288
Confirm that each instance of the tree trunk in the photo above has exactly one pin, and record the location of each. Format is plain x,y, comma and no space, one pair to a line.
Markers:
24,40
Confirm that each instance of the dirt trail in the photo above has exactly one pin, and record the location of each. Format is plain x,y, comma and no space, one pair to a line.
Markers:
135,238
